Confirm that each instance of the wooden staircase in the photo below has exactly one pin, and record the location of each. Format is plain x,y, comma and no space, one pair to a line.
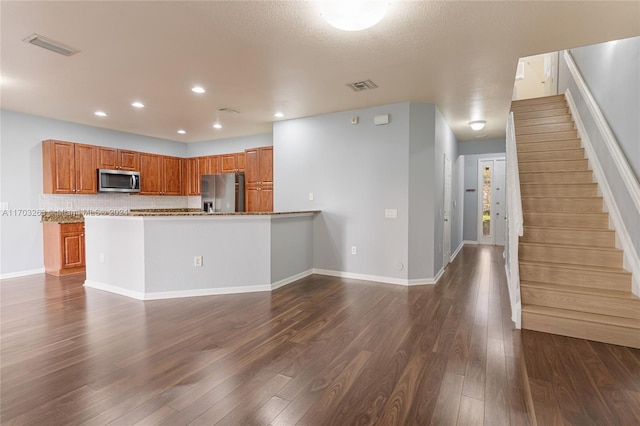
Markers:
571,276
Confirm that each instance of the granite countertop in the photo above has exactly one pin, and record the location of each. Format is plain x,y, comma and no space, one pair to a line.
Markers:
62,217
197,212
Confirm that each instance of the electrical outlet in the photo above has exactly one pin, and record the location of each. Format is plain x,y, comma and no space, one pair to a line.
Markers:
354,250
311,196
197,261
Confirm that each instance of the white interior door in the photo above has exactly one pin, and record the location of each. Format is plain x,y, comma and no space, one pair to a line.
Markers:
491,201
446,215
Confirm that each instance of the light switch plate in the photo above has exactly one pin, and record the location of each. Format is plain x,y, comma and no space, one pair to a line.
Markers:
390,213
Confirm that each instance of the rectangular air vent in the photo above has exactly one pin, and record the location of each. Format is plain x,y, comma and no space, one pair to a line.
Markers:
359,86
52,45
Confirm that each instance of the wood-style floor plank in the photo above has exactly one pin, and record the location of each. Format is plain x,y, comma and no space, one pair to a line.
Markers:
320,351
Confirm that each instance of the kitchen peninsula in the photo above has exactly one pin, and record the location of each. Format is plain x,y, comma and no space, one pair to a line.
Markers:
164,255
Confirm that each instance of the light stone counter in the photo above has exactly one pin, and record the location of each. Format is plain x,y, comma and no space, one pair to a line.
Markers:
154,256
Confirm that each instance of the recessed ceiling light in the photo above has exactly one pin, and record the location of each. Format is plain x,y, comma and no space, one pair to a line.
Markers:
197,89
100,113
217,126
182,132
137,105
477,125
278,115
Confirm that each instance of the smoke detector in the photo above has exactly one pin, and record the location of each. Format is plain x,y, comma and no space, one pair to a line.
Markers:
359,86
52,45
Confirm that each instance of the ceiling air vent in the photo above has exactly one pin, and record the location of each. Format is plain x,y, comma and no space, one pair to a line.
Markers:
229,110
359,86
52,45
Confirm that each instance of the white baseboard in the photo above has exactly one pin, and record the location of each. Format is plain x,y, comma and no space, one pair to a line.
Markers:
291,279
21,273
113,289
455,253
378,278
469,242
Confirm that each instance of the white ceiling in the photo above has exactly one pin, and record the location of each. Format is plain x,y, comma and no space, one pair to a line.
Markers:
268,56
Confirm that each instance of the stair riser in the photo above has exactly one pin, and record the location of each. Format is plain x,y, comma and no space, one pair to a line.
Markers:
559,111
571,255
587,238
553,166
543,128
567,220
538,101
582,330
563,190
539,137
538,107
548,146
568,205
561,177
569,154
602,305
556,119
552,274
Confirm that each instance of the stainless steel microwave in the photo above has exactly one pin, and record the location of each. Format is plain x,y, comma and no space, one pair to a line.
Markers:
118,181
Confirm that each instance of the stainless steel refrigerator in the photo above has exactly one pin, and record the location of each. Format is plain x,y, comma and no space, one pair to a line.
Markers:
222,192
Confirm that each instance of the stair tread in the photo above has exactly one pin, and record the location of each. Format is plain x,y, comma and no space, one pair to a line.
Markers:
571,246
588,268
555,228
582,316
559,172
627,295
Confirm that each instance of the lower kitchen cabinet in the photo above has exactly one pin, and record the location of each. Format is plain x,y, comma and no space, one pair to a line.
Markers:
259,198
63,248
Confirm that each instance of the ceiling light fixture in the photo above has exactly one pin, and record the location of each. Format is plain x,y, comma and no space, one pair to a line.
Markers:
197,89
100,113
137,105
278,115
52,45
353,15
182,132
477,125
217,126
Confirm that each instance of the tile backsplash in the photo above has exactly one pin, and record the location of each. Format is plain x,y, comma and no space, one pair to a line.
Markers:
56,202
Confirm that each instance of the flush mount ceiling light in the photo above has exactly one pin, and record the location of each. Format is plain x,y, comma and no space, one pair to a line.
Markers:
137,105
52,45
100,113
182,132
197,89
353,15
477,125
278,115
217,126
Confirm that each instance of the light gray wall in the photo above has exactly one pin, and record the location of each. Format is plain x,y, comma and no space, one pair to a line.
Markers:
21,176
224,146
612,104
355,172
612,73
470,153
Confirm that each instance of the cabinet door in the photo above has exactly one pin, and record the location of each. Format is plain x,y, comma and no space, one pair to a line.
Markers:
171,176
252,170
204,165
228,163
252,199
240,162
72,249
58,167
107,158
149,174
214,164
266,199
193,176
266,166
128,160
86,169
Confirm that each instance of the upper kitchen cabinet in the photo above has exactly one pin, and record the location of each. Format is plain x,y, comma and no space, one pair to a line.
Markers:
232,163
68,168
259,179
195,168
160,175
118,159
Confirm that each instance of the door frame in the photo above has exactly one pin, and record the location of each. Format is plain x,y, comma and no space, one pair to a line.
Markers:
446,210
479,237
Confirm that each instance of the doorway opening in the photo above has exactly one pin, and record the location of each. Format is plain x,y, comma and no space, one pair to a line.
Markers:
491,201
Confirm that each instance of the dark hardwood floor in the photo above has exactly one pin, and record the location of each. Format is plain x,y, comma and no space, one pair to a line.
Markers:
321,351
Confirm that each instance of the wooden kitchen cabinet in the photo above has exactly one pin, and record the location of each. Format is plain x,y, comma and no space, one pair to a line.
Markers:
196,167
63,248
259,179
232,163
69,168
118,159
160,175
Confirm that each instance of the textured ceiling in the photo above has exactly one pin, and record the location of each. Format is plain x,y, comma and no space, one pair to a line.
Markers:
267,56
